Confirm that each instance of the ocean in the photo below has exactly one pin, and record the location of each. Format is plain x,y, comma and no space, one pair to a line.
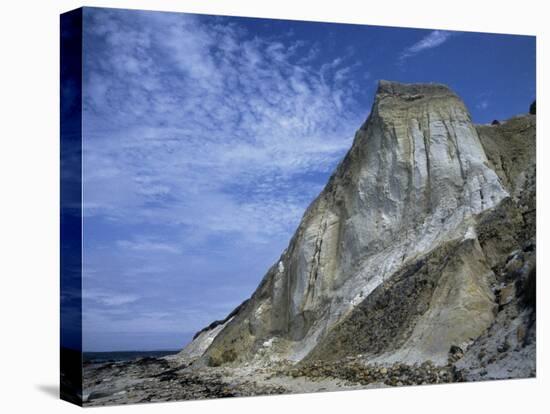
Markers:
96,357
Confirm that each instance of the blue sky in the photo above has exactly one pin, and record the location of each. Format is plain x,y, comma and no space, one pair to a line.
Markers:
205,138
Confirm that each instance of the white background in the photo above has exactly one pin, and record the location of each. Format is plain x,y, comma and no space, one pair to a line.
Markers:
29,190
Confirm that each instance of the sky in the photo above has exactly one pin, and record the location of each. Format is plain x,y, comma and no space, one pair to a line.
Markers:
205,138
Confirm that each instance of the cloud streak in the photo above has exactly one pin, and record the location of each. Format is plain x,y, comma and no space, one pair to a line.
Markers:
146,246
108,298
434,39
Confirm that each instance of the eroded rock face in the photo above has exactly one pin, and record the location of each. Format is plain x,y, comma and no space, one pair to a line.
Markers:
407,196
442,300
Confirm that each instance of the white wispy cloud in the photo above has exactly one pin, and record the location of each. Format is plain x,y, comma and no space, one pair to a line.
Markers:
108,298
195,115
433,39
144,245
483,104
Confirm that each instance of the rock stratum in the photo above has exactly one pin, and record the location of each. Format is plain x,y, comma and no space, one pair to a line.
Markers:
405,254
416,264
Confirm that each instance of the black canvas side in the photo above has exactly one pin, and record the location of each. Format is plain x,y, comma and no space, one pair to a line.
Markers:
71,207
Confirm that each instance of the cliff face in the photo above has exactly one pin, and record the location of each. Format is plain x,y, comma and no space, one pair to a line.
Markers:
396,258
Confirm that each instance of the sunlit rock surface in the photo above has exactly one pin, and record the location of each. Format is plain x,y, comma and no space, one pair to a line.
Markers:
402,256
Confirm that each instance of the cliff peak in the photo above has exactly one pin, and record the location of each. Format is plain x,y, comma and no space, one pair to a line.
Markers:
399,89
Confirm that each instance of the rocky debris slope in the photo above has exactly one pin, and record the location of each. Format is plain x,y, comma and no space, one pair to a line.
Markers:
405,255
508,348
163,379
355,370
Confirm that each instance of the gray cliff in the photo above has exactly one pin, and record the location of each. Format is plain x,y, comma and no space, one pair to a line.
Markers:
420,247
